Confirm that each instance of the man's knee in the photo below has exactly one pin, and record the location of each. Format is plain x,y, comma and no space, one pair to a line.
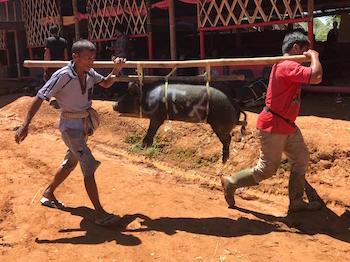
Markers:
262,172
89,166
69,164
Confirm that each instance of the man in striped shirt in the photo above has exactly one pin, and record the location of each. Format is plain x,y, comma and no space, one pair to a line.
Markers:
72,86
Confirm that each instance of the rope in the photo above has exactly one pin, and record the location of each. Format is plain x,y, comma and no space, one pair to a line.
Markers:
208,75
140,77
166,91
166,98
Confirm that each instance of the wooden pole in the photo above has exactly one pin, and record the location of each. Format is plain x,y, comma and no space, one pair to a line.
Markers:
18,64
311,22
7,11
172,30
14,11
178,64
31,55
149,30
198,79
76,21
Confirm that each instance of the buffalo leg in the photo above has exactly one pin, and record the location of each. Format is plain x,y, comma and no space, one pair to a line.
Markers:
225,139
151,132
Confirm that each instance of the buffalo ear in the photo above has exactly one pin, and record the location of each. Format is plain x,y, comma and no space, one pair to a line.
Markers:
134,89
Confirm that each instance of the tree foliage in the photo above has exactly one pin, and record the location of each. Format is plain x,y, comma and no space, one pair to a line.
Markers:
321,28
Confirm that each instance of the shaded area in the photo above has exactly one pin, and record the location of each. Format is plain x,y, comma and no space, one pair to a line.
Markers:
324,221
8,99
213,226
93,234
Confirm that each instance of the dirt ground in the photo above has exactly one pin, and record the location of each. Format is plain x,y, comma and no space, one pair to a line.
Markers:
170,195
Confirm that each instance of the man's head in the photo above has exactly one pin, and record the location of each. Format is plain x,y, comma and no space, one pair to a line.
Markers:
84,54
295,43
54,29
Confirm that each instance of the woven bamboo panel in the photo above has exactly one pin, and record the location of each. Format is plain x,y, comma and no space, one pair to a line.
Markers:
236,12
104,15
2,39
38,15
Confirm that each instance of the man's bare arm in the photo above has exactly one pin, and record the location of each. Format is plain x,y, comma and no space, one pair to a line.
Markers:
317,71
110,79
22,132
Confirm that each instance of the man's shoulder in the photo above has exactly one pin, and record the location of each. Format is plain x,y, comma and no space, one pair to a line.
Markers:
50,39
64,72
63,39
287,65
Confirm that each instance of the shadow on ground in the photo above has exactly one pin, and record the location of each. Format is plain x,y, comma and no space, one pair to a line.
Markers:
92,233
324,221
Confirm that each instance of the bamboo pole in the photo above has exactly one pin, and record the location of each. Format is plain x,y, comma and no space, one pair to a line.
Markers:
172,30
198,79
178,64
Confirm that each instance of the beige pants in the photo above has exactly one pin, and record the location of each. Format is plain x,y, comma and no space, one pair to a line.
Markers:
272,147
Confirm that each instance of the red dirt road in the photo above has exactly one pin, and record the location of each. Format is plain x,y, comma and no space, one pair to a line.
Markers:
172,204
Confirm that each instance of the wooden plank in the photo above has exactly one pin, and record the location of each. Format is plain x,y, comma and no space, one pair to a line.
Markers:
178,64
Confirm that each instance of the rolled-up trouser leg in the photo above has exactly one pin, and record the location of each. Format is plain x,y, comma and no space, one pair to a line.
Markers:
270,155
298,155
76,142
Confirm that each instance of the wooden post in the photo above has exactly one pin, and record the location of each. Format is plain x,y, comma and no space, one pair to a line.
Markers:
310,24
172,30
76,21
202,44
149,30
14,11
7,11
30,50
18,64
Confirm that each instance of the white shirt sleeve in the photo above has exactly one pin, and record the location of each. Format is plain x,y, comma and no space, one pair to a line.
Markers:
53,85
98,78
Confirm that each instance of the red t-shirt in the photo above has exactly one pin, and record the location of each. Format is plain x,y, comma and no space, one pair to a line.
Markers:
283,96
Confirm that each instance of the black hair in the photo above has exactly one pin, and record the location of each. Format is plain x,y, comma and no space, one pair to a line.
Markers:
296,37
54,29
82,45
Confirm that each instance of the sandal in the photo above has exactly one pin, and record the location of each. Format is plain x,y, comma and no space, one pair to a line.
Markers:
54,203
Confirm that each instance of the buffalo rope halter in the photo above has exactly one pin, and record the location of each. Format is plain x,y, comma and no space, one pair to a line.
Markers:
166,91
207,76
140,77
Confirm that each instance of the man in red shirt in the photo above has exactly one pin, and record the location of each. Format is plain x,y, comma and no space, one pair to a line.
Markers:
276,128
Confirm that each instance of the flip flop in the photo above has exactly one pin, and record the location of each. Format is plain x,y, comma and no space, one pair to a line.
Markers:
51,203
107,221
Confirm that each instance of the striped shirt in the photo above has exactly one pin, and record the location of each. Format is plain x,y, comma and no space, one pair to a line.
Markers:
64,85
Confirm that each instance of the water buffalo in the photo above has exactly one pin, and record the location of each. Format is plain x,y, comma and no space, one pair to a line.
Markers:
182,102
